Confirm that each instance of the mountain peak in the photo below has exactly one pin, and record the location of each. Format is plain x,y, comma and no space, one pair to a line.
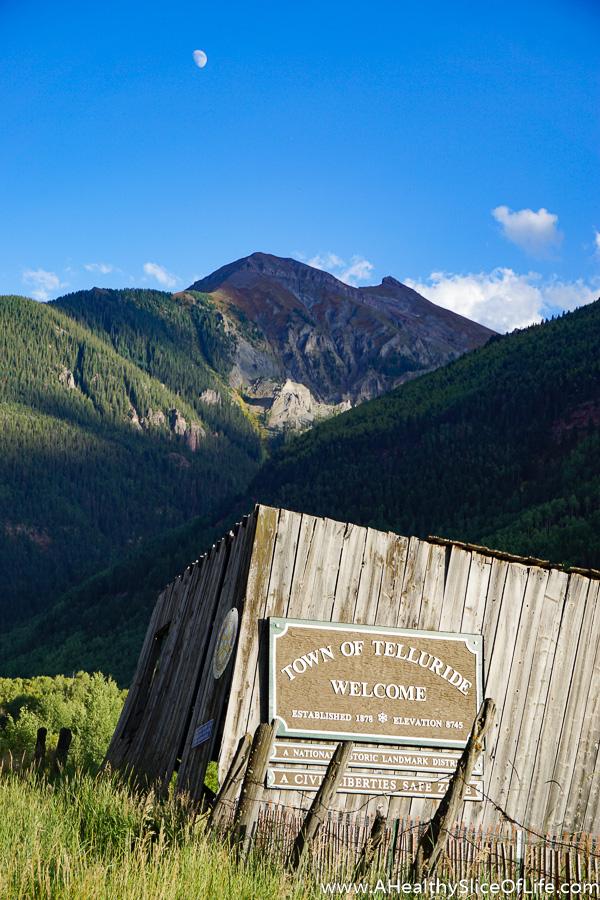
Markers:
342,342
284,271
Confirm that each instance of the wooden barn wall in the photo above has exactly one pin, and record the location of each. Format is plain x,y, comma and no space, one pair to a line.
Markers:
171,687
541,649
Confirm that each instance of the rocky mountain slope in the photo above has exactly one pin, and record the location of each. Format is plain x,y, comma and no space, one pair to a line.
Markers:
297,324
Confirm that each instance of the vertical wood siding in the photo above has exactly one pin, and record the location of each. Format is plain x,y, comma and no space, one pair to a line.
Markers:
541,631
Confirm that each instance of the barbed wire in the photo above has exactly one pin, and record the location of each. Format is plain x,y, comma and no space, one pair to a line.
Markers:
421,825
522,827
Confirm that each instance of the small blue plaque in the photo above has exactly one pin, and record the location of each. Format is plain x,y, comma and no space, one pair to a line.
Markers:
202,733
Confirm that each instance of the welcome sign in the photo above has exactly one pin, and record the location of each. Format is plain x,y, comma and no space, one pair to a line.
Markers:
376,684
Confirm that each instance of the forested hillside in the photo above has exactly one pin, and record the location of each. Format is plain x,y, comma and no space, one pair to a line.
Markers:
181,341
500,447
97,456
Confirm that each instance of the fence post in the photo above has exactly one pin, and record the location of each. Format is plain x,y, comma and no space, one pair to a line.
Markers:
227,794
62,748
520,845
320,804
433,839
367,854
253,786
393,845
40,747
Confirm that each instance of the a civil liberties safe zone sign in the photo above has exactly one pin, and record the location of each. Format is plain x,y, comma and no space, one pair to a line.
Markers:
369,683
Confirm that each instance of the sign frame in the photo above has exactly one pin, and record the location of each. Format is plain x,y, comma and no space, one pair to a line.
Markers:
309,781
436,763
278,626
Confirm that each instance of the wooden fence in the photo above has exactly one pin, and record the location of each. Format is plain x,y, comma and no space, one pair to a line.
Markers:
496,854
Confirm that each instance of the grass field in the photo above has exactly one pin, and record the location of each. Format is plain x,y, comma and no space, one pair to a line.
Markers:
91,838
79,836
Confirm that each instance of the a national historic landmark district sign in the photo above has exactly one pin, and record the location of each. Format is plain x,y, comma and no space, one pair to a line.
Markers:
374,685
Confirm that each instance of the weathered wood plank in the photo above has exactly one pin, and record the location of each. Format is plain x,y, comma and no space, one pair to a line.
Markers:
540,808
371,576
349,573
493,605
565,773
506,786
143,753
455,592
542,655
321,571
500,663
432,601
210,691
412,586
316,600
246,814
433,840
284,561
393,575
166,726
165,687
586,775
587,810
432,607
276,604
305,537
243,702
227,796
321,803
480,572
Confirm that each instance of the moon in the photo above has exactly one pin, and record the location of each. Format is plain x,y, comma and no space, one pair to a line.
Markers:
200,58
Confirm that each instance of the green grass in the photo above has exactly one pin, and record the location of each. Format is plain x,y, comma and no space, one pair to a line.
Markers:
86,838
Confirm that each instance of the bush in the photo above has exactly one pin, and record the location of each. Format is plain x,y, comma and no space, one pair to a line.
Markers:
89,705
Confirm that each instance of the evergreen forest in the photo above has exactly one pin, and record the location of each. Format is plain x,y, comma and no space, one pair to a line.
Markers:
500,447
105,441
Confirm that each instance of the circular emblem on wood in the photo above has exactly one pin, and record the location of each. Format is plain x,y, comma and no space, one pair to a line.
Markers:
225,642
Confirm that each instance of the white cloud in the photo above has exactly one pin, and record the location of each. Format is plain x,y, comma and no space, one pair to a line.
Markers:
103,268
535,232
570,295
327,262
597,244
162,276
502,299
359,268
43,282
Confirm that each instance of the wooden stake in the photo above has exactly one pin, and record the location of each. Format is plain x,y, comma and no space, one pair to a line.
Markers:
40,747
62,748
367,854
321,803
248,807
228,792
433,840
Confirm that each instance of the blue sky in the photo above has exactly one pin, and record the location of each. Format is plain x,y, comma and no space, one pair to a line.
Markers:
454,146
